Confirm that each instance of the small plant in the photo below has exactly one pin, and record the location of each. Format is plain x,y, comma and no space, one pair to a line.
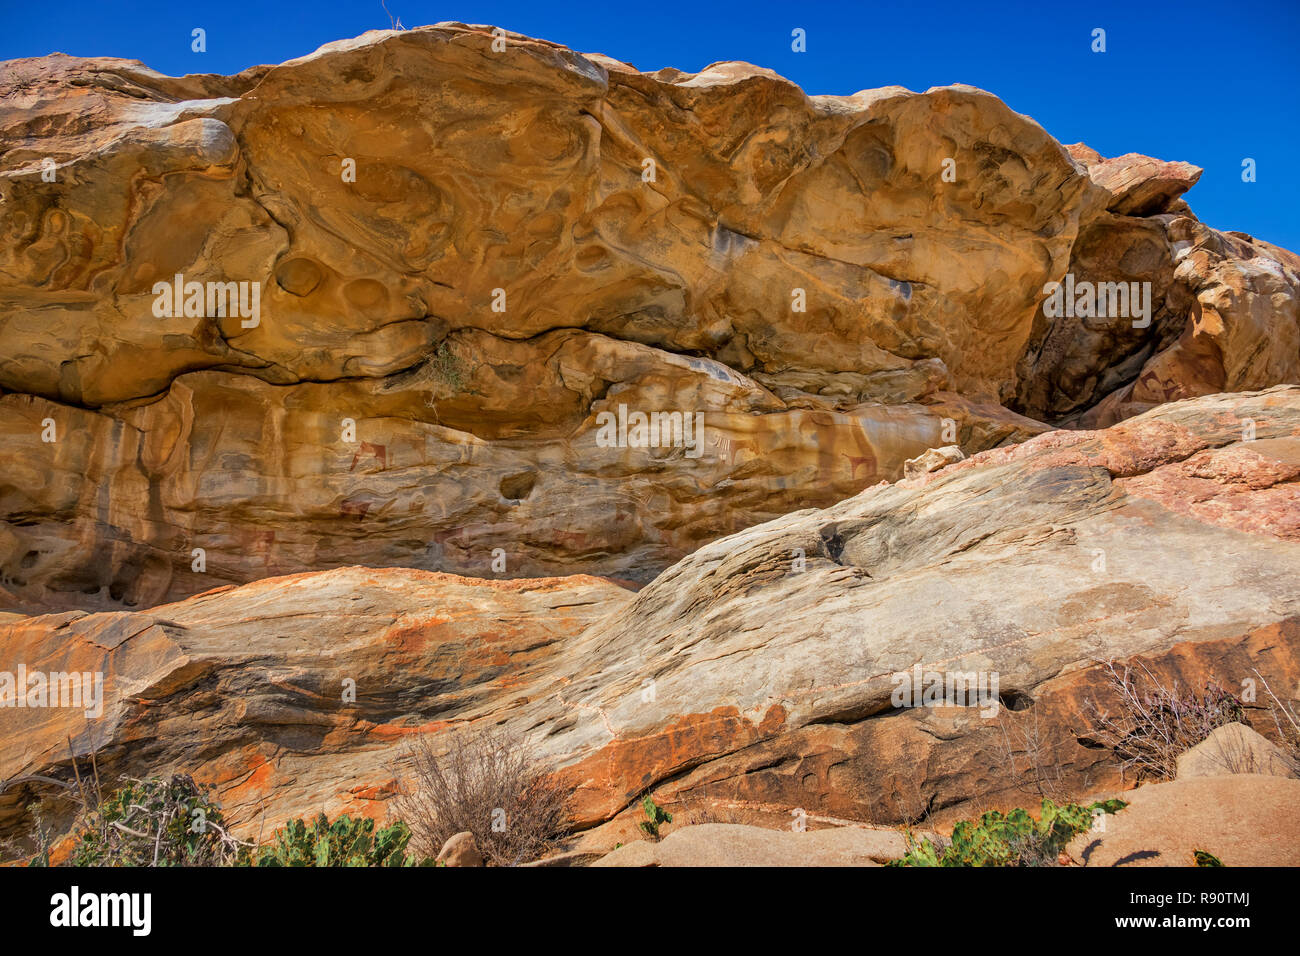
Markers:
1013,839
655,816
1157,723
396,22
1204,858
447,368
447,371
695,810
345,842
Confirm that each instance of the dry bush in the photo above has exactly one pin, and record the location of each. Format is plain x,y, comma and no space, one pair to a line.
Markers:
693,812
32,848
1157,723
1233,755
1287,721
1030,754
697,806
911,808
913,813
1034,851
485,783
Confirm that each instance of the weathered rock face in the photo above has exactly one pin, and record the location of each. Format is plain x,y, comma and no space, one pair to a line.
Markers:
1242,331
463,257
290,692
723,844
1224,307
1235,748
1242,819
758,673
774,687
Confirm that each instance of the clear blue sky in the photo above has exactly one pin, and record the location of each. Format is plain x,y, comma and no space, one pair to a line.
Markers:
1206,82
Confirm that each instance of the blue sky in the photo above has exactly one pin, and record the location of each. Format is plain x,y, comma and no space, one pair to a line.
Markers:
1207,82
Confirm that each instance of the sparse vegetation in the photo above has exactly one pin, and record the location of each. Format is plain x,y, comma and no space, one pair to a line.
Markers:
1031,755
394,22
1287,721
1157,723
700,807
447,368
174,821
1011,839
487,784
911,807
656,816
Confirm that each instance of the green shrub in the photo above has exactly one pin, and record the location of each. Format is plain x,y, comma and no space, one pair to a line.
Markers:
345,842
1013,839
655,815
172,822
1205,858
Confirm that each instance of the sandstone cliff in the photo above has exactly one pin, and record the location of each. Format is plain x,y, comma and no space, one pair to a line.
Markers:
465,256
755,675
